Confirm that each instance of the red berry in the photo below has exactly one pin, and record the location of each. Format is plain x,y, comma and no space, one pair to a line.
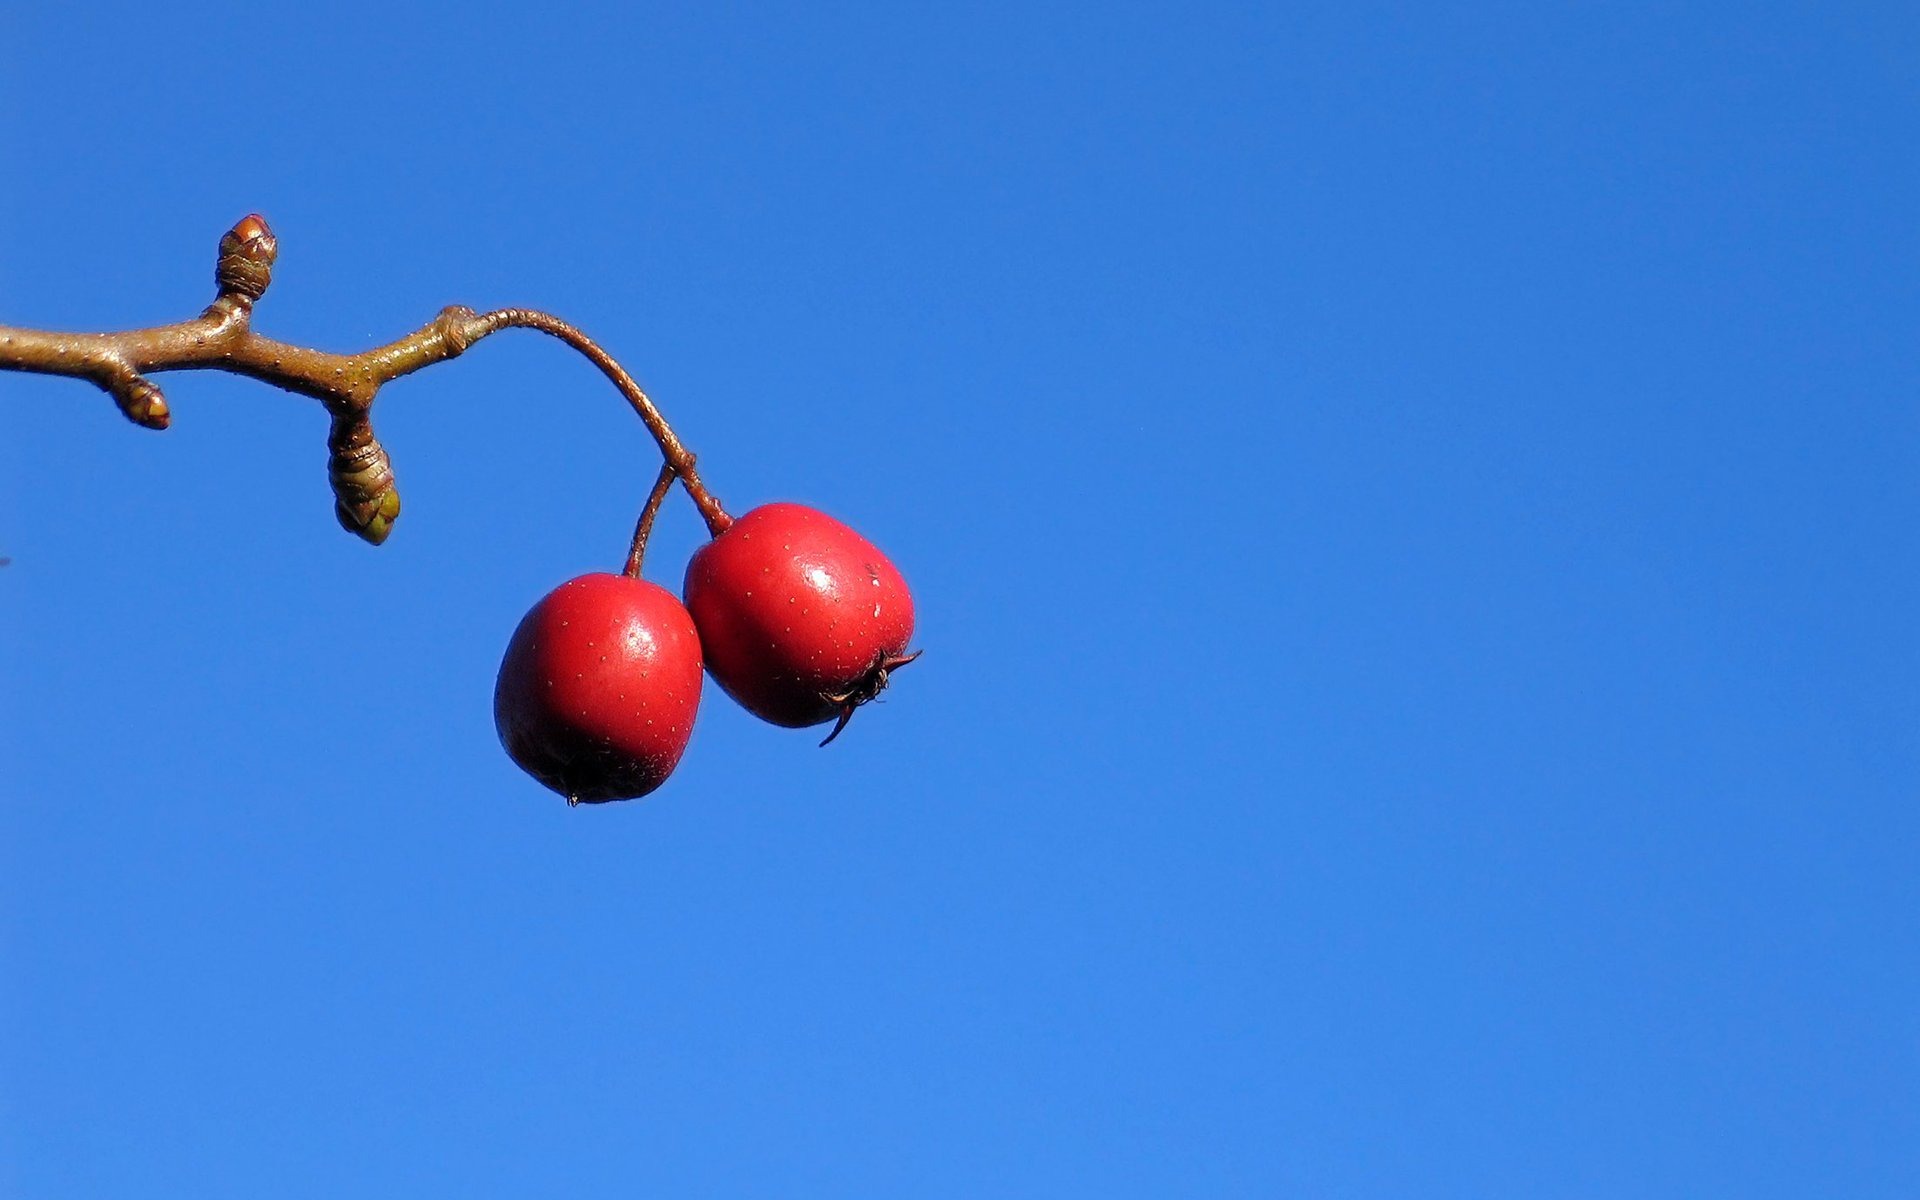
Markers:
599,687
801,618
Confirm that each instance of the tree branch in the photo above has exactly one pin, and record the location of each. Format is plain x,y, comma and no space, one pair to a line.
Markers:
222,339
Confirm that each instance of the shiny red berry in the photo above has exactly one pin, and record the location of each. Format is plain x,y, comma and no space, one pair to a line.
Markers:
801,618
599,687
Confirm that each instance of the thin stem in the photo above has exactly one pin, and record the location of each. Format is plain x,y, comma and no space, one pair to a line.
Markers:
644,528
677,455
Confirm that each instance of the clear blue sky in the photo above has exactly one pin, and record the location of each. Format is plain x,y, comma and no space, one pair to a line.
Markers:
1413,514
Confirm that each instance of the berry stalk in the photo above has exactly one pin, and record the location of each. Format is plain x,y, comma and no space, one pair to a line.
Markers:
643,529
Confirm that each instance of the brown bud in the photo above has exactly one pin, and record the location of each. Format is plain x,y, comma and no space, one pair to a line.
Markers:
365,501
252,227
245,267
140,400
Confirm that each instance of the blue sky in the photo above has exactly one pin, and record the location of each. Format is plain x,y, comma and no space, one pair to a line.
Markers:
1411,511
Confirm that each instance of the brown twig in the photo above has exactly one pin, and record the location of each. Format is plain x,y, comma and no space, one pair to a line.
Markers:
643,528
222,339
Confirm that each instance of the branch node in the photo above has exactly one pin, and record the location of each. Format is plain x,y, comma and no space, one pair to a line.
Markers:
455,324
245,266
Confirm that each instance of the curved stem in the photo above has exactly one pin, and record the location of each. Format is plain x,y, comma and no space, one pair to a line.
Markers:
677,455
644,528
